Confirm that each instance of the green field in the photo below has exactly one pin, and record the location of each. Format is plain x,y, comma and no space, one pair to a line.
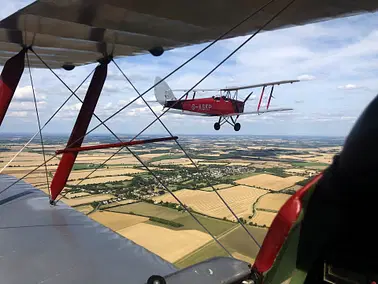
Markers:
147,209
215,226
165,157
309,164
240,176
236,241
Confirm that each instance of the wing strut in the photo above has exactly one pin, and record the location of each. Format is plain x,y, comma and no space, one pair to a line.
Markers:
78,132
262,94
270,96
114,145
10,77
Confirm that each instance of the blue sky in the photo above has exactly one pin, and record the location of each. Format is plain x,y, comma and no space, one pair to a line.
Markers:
337,60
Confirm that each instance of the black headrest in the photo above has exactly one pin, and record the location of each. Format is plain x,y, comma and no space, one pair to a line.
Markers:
359,157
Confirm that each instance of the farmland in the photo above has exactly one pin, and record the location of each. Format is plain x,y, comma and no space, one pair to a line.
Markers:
254,175
238,197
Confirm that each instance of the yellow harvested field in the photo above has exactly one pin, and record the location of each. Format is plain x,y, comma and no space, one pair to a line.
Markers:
240,198
272,201
150,156
169,244
263,218
270,181
243,257
218,186
239,164
102,180
212,163
85,209
116,221
25,170
103,172
180,161
123,160
86,200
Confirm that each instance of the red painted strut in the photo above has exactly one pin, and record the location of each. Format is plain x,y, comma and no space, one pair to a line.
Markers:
122,144
10,77
79,130
262,94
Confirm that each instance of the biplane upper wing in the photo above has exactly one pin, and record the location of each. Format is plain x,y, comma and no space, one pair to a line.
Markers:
260,85
71,33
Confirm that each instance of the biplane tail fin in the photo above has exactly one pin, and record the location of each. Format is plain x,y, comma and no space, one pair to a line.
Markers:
163,92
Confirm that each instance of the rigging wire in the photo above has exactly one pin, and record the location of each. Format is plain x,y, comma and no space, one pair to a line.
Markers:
103,122
46,123
218,65
208,74
39,123
137,157
175,70
92,172
191,160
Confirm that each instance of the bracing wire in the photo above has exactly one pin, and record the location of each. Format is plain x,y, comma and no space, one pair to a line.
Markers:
46,123
208,74
92,172
172,72
191,160
31,139
102,122
217,66
39,124
137,157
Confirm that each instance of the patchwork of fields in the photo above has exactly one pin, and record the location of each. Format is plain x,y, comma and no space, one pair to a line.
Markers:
255,189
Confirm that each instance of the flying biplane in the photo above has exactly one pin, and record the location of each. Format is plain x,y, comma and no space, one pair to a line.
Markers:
43,240
225,105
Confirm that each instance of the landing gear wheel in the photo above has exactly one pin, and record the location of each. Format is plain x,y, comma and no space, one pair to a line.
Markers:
216,125
237,126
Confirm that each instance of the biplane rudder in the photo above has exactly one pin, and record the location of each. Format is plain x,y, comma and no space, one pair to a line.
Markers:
163,92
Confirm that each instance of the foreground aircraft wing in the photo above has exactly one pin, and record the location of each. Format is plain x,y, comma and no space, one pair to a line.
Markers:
259,111
45,244
41,243
72,33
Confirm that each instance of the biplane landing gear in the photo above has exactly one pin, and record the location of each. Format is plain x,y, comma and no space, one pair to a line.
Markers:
226,119
217,126
237,126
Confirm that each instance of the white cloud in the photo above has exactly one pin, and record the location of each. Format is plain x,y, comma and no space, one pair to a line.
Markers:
25,94
306,77
323,56
348,87
18,114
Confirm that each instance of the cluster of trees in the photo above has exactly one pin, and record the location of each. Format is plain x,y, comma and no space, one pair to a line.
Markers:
304,182
166,222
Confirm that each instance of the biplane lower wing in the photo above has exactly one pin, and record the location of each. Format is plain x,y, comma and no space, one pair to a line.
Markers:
175,111
259,111
41,243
